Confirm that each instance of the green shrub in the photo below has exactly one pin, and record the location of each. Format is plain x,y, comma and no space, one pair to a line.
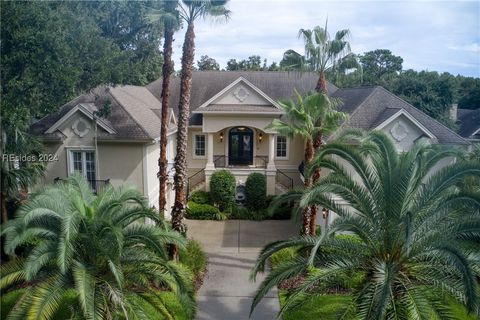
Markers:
222,189
256,191
283,256
240,213
201,197
282,213
193,257
201,211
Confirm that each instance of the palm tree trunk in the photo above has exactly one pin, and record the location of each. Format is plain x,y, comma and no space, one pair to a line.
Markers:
3,199
162,161
317,144
321,83
306,221
180,179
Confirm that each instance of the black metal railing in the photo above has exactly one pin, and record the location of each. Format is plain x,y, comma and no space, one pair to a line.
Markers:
221,161
95,185
194,180
284,180
261,161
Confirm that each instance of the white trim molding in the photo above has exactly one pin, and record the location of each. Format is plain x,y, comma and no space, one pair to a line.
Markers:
409,117
81,108
230,86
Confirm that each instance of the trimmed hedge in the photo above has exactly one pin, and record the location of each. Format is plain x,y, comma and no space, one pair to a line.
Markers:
222,189
199,211
201,197
256,191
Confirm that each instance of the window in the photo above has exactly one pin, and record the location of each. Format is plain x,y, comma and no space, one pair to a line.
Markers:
199,145
84,162
281,145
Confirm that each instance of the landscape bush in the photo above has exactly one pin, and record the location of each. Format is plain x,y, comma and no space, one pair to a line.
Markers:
198,211
222,189
195,259
256,191
201,197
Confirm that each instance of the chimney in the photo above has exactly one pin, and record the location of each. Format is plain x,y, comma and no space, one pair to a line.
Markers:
453,112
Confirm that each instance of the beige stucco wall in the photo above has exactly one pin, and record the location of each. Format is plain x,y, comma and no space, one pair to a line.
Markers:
413,132
122,163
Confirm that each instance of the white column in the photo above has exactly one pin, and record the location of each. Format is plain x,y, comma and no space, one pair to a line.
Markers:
210,164
271,152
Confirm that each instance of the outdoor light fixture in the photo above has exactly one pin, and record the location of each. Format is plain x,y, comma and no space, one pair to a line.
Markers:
221,136
324,213
260,137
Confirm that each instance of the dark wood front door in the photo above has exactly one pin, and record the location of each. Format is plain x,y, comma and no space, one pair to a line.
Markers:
240,146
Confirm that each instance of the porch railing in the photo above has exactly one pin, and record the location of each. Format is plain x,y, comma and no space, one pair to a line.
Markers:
284,180
194,180
221,161
95,185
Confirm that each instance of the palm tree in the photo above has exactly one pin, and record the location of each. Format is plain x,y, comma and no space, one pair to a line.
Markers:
99,246
321,53
312,116
169,15
189,12
17,175
416,233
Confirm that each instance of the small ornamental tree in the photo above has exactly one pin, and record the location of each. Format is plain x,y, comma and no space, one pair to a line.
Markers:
222,189
256,191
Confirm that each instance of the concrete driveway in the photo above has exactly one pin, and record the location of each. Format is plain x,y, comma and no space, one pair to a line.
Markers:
232,248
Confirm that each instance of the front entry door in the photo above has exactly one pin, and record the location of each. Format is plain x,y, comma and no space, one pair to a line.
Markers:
240,146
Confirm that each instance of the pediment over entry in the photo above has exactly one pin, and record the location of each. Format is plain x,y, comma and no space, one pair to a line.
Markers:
241,96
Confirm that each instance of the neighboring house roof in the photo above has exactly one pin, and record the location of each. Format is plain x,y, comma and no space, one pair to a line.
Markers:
135,114
469,121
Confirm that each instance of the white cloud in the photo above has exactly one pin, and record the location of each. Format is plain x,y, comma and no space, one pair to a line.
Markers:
426,34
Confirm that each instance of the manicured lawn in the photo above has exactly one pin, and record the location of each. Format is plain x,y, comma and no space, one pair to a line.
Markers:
326,307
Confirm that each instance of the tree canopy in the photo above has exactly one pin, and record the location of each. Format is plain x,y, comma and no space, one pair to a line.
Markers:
207,63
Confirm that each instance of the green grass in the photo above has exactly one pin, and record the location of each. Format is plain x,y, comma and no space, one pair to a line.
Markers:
326,307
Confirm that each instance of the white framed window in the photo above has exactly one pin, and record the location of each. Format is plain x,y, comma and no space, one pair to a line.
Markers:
199,146
281,147
83,161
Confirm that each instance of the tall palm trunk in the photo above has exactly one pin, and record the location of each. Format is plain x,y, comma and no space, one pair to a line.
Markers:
3,200
162,161
180,179
307,214
317,144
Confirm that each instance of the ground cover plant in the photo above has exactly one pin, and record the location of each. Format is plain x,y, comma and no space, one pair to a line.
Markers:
417,232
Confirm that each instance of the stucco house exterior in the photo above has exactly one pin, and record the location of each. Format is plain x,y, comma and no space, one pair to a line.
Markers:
227,129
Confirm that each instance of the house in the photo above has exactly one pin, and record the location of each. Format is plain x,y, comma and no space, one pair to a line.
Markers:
227,129
469,124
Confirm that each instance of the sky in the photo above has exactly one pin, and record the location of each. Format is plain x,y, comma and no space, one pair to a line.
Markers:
437,35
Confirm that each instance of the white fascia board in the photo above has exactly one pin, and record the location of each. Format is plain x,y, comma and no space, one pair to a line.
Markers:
409,117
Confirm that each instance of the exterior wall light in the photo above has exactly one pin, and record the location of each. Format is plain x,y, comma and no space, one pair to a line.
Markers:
324,213
260,137
221,136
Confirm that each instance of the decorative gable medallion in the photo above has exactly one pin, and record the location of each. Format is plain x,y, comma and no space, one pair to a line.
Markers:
399,131
241,93
81,128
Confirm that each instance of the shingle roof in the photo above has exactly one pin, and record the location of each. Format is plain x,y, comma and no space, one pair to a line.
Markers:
239,108
134,113
469,121
206,84
376,103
